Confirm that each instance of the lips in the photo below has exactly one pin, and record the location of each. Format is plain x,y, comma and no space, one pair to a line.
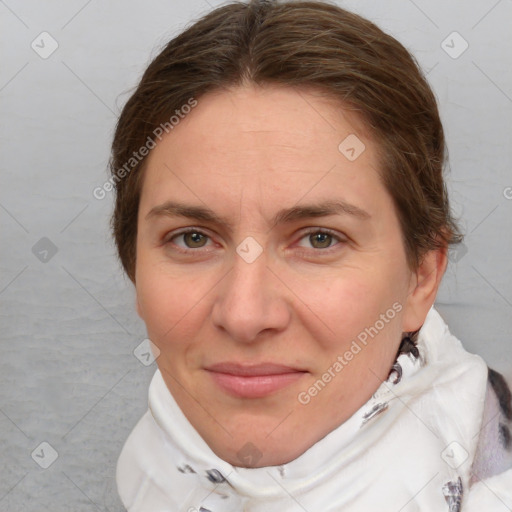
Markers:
253,381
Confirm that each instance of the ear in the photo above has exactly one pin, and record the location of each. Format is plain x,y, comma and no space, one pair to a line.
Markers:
425,283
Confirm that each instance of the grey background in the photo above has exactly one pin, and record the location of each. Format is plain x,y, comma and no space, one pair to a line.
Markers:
68,374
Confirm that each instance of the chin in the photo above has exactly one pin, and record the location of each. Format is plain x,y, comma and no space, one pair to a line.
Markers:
258,441
259,453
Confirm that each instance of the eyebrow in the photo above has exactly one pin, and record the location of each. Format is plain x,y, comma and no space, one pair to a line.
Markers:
286,215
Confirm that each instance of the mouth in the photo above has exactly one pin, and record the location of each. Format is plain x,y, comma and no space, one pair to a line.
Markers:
253,381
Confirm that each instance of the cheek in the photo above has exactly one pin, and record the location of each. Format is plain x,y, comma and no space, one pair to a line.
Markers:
349,303
364,318
167,303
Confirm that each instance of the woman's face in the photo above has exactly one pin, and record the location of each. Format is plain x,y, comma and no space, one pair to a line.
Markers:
271,272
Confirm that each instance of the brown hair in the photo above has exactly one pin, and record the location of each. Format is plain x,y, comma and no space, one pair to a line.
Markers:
298,44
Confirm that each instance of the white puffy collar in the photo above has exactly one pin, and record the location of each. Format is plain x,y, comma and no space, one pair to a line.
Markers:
418,434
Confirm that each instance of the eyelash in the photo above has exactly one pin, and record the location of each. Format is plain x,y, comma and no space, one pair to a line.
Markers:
309,231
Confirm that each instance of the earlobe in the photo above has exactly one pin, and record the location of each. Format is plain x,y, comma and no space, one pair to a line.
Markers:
425,284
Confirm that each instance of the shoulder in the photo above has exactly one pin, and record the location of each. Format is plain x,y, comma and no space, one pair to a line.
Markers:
494,450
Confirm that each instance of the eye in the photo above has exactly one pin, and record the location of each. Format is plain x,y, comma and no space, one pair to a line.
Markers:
190,239
320,239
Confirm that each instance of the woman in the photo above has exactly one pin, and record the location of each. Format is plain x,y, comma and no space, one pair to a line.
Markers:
281,211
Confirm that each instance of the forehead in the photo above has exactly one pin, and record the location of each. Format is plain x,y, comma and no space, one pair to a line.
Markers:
297,119
265,146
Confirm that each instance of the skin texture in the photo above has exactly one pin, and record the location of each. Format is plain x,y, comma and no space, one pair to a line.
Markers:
245,154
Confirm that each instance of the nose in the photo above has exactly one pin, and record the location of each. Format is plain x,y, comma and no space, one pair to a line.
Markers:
250,301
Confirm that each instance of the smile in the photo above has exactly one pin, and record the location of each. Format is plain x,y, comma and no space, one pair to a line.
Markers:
255,381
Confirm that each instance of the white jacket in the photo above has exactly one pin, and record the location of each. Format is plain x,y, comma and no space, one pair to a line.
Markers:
432,442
